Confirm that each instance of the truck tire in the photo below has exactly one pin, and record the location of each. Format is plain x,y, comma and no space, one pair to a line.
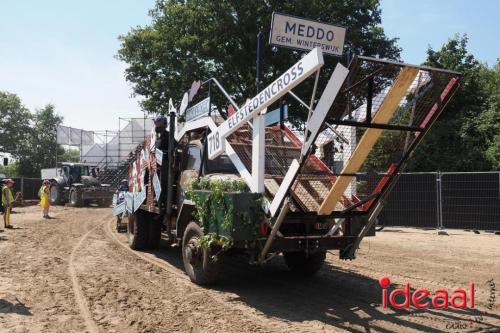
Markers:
105,202
75,197
137,231
303,263
55,195
154,233
198,263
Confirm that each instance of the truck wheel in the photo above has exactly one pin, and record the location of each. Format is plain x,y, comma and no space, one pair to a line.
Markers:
75,197
154,233
198,264
122,223
55,195
105,202
137,231
303,263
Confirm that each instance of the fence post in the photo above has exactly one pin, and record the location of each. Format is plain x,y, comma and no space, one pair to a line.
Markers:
439,201
22,187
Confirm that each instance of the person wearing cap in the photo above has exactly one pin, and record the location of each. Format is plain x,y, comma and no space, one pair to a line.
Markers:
161,123
7,200
44,194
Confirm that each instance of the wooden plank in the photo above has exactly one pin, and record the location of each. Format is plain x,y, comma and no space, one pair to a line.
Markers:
369,138
305,198
272,186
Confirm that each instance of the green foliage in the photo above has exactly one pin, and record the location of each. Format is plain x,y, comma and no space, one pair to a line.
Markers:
42,147
209,205
15,124
29,137
465,137
199,39
489,120
70,155
11,170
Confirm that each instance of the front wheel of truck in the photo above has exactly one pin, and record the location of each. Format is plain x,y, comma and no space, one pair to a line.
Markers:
303,263
154,237
137,231
198,263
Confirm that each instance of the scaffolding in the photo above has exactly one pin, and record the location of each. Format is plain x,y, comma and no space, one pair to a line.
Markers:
109,151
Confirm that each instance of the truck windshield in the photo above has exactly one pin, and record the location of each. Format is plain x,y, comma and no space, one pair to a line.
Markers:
82,170
221,164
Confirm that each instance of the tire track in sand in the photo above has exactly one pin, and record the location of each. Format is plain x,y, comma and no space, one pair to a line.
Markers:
162,264
271,325
82,303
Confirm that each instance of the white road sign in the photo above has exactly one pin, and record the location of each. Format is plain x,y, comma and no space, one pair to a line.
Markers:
286,82
299,33
198,110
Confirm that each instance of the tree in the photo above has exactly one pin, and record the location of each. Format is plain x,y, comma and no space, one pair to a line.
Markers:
199,39
15,122
11,170
489,120
70,155
42,148
459,141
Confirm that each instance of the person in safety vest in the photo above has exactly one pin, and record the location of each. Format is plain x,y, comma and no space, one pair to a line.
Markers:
7,200
44,195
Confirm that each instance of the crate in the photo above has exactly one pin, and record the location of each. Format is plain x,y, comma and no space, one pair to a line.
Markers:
245,215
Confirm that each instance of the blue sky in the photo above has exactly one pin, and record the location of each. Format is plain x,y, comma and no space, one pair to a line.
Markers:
62,52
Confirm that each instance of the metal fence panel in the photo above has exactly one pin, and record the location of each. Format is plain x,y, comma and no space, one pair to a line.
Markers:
27,186
471,200
412,202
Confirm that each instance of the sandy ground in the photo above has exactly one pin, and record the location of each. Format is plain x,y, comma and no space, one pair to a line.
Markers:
76,274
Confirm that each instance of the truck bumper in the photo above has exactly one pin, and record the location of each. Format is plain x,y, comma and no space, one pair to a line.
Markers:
310,243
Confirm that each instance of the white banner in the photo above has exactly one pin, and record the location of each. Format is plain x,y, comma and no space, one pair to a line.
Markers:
119,209
87,138
157,186
63,135
129,202
139,198
159,156
75,136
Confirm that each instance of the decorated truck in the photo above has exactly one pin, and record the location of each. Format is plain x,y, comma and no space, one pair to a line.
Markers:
249,180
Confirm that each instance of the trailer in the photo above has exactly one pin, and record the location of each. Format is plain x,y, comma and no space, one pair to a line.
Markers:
229,184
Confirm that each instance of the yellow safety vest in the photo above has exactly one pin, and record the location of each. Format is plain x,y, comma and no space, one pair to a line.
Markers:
41,192
7,197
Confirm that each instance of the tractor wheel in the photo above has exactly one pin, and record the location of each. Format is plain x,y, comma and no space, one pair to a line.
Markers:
303,263
55,195
198,263
137,231
154,233
75,197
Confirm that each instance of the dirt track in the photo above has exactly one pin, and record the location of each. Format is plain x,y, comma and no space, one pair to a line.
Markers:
75,274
